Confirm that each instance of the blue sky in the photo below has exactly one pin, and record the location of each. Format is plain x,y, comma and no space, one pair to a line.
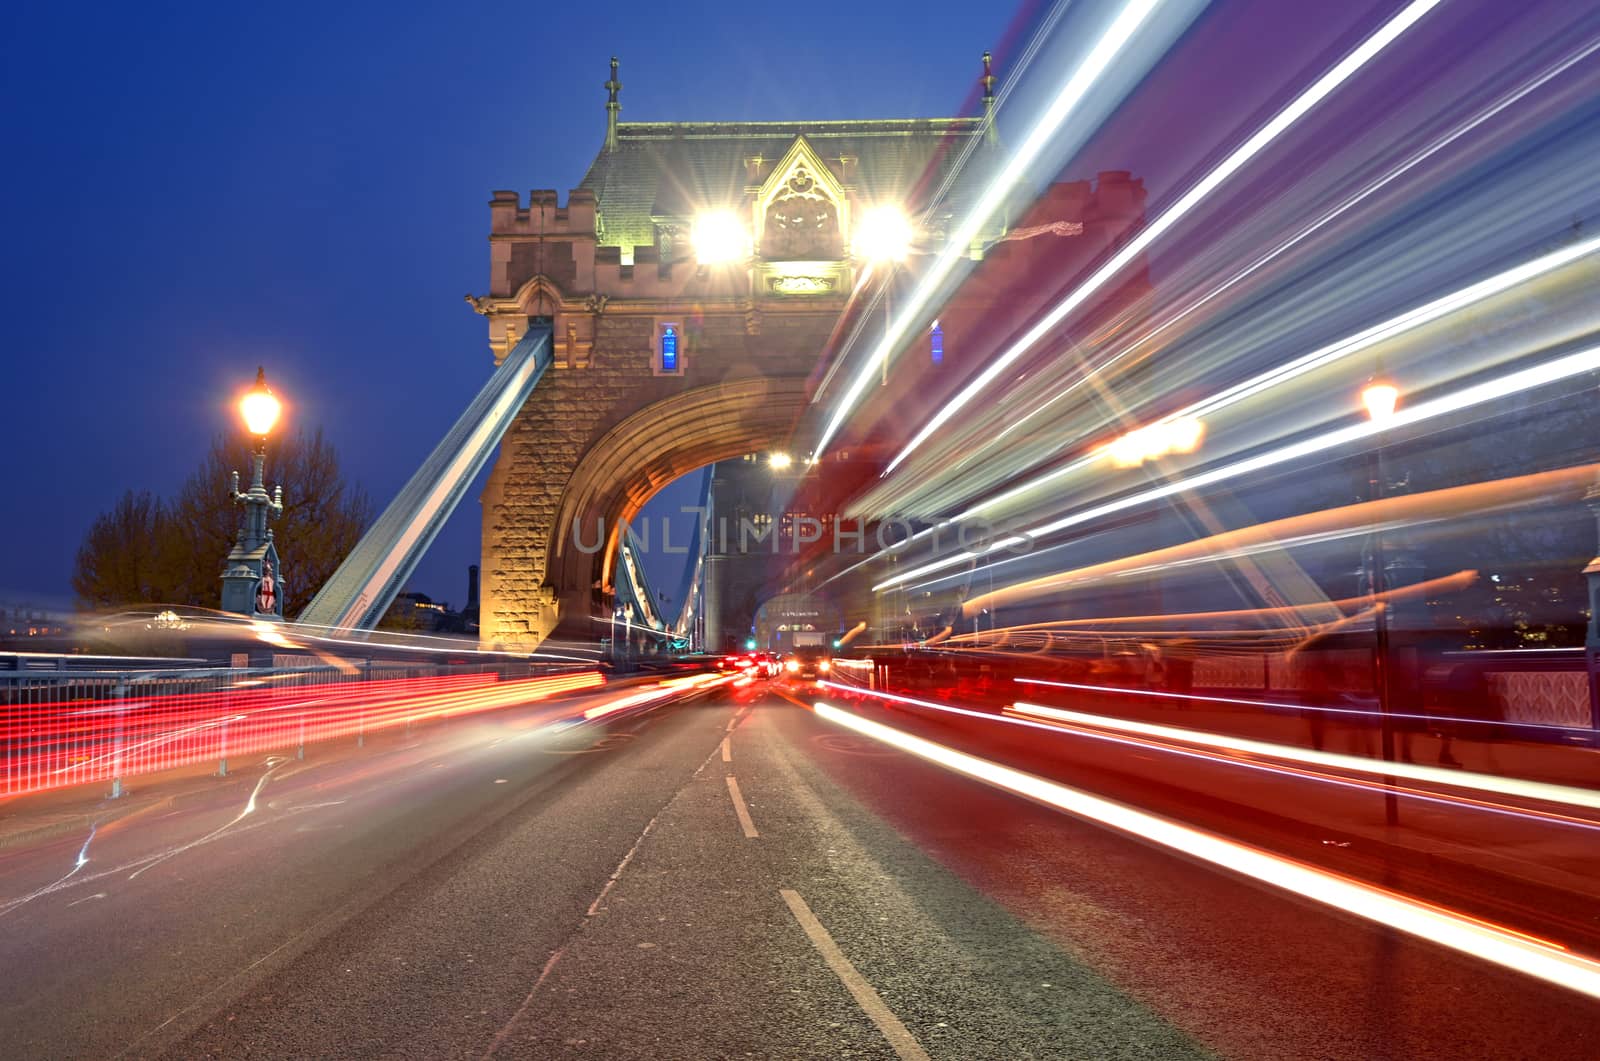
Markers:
192,190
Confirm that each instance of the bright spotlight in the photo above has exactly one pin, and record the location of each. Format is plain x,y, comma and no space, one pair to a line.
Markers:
883,234
719,238
779,461
1380,400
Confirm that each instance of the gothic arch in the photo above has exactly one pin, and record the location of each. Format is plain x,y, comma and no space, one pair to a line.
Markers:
802,211
645,452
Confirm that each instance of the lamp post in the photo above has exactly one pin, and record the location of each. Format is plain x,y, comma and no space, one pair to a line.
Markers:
627,636
252,581
1380,399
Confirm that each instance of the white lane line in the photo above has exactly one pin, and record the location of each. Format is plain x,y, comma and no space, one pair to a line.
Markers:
727,751
741,810
904,1044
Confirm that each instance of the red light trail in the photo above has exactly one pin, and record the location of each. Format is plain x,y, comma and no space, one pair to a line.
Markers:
72,742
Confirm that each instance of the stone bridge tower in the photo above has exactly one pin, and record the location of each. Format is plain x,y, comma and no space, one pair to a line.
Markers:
664,361
692,281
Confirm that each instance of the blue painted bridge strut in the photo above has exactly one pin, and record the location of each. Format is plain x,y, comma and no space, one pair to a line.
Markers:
364,586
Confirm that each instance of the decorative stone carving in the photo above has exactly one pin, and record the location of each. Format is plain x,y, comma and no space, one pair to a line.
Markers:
801,285
802,222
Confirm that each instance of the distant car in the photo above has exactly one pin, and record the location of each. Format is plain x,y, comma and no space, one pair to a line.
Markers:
754,664
808,663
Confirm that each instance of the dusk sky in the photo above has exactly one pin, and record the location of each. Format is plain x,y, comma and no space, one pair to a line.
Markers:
193,190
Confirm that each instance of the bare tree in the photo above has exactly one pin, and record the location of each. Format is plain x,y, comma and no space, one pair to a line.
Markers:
186,541
121,559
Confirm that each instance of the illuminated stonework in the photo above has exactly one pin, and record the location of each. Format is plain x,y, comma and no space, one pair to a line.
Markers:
802,209
606,427
801,285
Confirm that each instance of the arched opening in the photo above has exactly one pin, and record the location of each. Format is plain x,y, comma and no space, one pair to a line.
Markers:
619,472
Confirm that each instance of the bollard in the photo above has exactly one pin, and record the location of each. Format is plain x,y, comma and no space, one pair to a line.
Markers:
222,766
361,710
120,694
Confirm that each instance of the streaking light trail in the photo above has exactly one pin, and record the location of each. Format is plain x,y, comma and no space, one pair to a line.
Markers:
1422,155
1586,360
1281,123
1325,355
1033,716
1468,935
1505,786
659,691
1066,101
71,742
1333,352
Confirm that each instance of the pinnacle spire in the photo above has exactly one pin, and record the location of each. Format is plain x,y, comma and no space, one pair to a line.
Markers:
612,86
991,134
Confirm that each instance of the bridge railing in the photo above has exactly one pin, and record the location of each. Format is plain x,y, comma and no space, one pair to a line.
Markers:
59,729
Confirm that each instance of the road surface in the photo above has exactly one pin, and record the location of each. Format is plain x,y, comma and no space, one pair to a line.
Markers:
725,876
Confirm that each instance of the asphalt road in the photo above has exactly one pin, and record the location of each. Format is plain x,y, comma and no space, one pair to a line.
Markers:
727,876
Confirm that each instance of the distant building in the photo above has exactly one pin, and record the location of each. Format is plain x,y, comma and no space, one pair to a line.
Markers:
760,522
421,613
31,629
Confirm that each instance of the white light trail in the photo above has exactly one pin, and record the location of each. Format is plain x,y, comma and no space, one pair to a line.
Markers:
1280,374
1066,101
1280,123
1279,705
1586,360
1032,716
1480,939
1504,786
1458,778
1416,159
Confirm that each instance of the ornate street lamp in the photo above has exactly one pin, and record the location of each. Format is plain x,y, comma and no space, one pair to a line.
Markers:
252,582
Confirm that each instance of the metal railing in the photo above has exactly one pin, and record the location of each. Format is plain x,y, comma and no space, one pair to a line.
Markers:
73,727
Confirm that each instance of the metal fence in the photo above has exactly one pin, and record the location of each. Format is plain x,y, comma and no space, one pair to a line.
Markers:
72,727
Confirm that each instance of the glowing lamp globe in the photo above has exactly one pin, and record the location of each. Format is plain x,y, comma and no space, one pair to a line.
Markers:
1380,400
718,238
259,408
883,234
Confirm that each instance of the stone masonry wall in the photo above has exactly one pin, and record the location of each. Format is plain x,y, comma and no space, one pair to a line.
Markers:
572,408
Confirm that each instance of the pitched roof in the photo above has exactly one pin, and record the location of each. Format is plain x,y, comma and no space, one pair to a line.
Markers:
671,169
